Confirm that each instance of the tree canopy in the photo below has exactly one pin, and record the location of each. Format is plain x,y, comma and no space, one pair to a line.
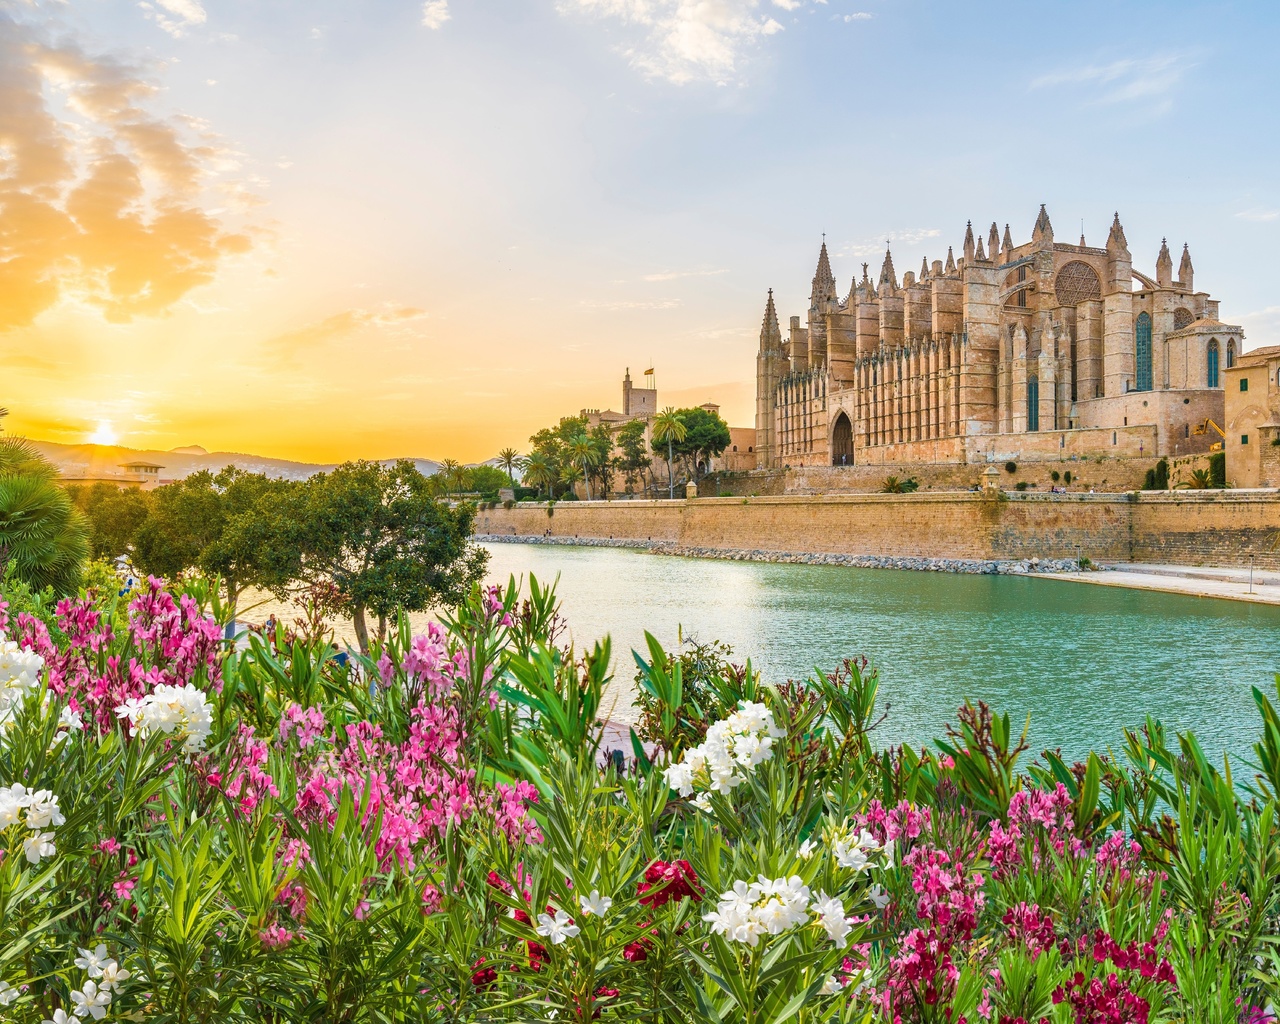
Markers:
44,538
706,435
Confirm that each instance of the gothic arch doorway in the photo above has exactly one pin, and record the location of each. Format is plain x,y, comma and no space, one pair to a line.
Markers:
842,441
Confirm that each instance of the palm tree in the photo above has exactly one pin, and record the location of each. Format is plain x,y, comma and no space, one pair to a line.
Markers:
449,470
540,472
584,453
669,427
570,475
1200,480
509,459
43,536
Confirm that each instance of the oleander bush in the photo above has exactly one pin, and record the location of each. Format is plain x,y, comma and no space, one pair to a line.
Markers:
272,832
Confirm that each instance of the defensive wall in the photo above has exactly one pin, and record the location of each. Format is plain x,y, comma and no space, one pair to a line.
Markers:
1181,527
1102,473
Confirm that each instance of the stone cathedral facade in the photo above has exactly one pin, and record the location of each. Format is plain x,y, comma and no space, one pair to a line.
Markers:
1041,350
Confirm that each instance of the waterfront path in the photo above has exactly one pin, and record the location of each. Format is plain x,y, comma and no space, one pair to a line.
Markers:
1192,580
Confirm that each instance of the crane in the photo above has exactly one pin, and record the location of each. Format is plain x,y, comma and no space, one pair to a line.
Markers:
1200,429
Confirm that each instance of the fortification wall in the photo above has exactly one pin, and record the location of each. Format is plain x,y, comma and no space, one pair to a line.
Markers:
1197,528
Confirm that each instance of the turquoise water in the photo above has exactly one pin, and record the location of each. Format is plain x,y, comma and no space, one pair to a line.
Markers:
1085,661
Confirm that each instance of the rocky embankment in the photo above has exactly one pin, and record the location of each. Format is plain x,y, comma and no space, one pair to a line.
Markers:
988,567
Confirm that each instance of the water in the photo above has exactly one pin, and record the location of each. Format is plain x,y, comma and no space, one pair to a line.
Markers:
1085,661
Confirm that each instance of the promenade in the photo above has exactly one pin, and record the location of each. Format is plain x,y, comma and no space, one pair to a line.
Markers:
1232,584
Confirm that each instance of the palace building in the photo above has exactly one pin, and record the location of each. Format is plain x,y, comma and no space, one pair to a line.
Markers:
1040,350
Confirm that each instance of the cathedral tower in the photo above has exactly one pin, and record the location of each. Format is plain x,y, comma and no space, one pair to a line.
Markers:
771,367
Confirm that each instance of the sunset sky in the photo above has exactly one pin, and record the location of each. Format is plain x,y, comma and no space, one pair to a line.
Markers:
325,230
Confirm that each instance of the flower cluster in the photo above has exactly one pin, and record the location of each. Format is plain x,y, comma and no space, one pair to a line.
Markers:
94,996
37,810
732,746
19,675
771,906
665,881
183,710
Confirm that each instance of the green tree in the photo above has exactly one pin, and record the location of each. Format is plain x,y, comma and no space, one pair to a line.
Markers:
44,538
486,479
232,525
376,534
668,427
114,514
541,472
633,454
449,471
584,453
706,436
510,460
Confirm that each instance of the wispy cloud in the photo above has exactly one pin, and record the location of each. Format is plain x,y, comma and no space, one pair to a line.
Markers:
175,16
1130,80
309,337
435,13
858,16
629,304
682,40
1258,214
675,275
875,244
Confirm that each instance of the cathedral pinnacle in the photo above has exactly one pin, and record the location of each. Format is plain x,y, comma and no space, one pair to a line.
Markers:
950,268
1185,269
1043,231
993,241
1164,265
770,333
968,242
924,269
887,274
980,255
1007,246
824,283
1116,242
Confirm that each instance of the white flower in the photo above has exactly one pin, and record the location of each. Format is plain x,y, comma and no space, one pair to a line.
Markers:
703,802
731,747
595,903
38,845
70,719
19,670
59,1017
830,914
91,1000
42,811
7,993
557,928
765,906
113,974
170,709
878,896
92,960
13,801
807,849
831,986
854,853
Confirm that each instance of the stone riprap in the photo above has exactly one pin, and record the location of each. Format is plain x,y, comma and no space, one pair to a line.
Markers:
988,567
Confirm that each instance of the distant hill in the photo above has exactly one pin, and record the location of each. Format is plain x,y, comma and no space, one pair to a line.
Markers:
97,462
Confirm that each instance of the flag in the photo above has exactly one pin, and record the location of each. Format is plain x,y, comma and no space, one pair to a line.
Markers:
649,372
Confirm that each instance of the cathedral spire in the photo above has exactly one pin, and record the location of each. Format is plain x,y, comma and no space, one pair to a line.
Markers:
950,268
888,277
924,268
968,242
1164,265
1116,242
1185,269
980,255
1043,231
770,332
1007,245
824,282
993,241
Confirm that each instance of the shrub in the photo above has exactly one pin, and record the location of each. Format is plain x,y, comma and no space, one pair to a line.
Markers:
1157,478
1054,475
893,485
1021,485
1011,467
1066,477
508,503
1218,469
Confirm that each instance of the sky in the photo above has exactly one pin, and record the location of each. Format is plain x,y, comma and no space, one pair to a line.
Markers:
330,229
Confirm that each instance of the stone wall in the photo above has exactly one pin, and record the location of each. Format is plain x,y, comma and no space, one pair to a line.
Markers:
1199,528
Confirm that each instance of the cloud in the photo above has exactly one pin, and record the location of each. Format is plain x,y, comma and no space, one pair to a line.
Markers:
858,16
435,13
1258,214
100,198
789,5
630,304
1129,80
175,16
673,275
684,40
874,245
302,340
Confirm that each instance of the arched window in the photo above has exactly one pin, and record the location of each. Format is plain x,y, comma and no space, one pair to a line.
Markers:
1033,403
1142,332
1211,377
1231,354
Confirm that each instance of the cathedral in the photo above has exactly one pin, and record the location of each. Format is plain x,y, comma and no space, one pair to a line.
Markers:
1042,350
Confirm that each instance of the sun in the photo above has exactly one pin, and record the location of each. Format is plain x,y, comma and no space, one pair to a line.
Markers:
105,434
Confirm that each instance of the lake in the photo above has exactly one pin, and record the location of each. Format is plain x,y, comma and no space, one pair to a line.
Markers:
1085,661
